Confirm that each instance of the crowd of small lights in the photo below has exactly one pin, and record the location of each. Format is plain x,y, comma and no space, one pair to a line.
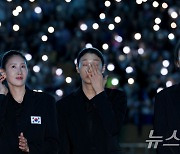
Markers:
105,46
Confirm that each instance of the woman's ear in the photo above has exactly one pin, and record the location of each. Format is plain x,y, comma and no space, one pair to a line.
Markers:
77,68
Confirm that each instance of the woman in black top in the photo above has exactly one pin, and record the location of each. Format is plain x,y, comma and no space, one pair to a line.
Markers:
27,118
166,115
90,118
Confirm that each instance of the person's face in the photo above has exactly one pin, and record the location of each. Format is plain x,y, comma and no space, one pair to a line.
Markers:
16,71
84,64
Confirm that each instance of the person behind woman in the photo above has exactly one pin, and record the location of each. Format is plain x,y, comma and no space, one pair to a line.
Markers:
27,118
90,118
167,115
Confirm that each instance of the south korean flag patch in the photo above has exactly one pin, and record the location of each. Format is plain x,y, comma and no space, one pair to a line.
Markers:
35,120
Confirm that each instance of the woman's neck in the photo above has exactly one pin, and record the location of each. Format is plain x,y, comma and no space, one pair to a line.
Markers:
17,93
88,90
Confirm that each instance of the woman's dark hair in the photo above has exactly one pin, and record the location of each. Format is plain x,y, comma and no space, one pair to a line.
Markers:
7,55
90,50
176,53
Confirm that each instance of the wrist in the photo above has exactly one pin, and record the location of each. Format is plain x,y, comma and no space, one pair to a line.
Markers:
99,91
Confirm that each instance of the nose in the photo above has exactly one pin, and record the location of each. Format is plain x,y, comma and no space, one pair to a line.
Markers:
19,71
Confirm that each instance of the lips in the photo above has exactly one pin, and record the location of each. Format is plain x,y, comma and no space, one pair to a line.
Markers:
19,78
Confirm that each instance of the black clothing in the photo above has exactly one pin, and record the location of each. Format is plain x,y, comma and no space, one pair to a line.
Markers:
41,135
167,118
91,126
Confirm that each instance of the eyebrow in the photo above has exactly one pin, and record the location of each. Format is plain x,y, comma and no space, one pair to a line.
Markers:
15,63
93,59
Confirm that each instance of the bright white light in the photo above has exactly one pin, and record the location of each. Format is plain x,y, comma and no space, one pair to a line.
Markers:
44,38
9,0
31,0
0,24
68,79
15,13
164,71
89,45
118,0
140,51
83,27
36,68
44,57
102,16
156,27
110,67
107,3
59,71
169,83
59,92
28,57
173,25
37,10
157,20
155,4
164,5
105,46
114,81
144,0
95,26
51,29
68,1
139,1
111,26
19,8
130,80
174,14
165,63
37,90
137,36
159,89
171,36
75,61
118,38
15,27
126,49
129,69
117,19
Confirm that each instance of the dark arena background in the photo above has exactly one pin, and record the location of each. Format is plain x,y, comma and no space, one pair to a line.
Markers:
137,37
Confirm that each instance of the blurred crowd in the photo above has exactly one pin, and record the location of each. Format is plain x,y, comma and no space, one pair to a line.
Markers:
137,38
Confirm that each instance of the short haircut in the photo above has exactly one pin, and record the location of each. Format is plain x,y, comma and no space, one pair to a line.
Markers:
7,55
92,51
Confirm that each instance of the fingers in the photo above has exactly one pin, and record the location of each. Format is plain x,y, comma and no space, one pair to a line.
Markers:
23,145
94,69
2,76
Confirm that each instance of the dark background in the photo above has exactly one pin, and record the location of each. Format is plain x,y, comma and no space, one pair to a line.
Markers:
147,62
